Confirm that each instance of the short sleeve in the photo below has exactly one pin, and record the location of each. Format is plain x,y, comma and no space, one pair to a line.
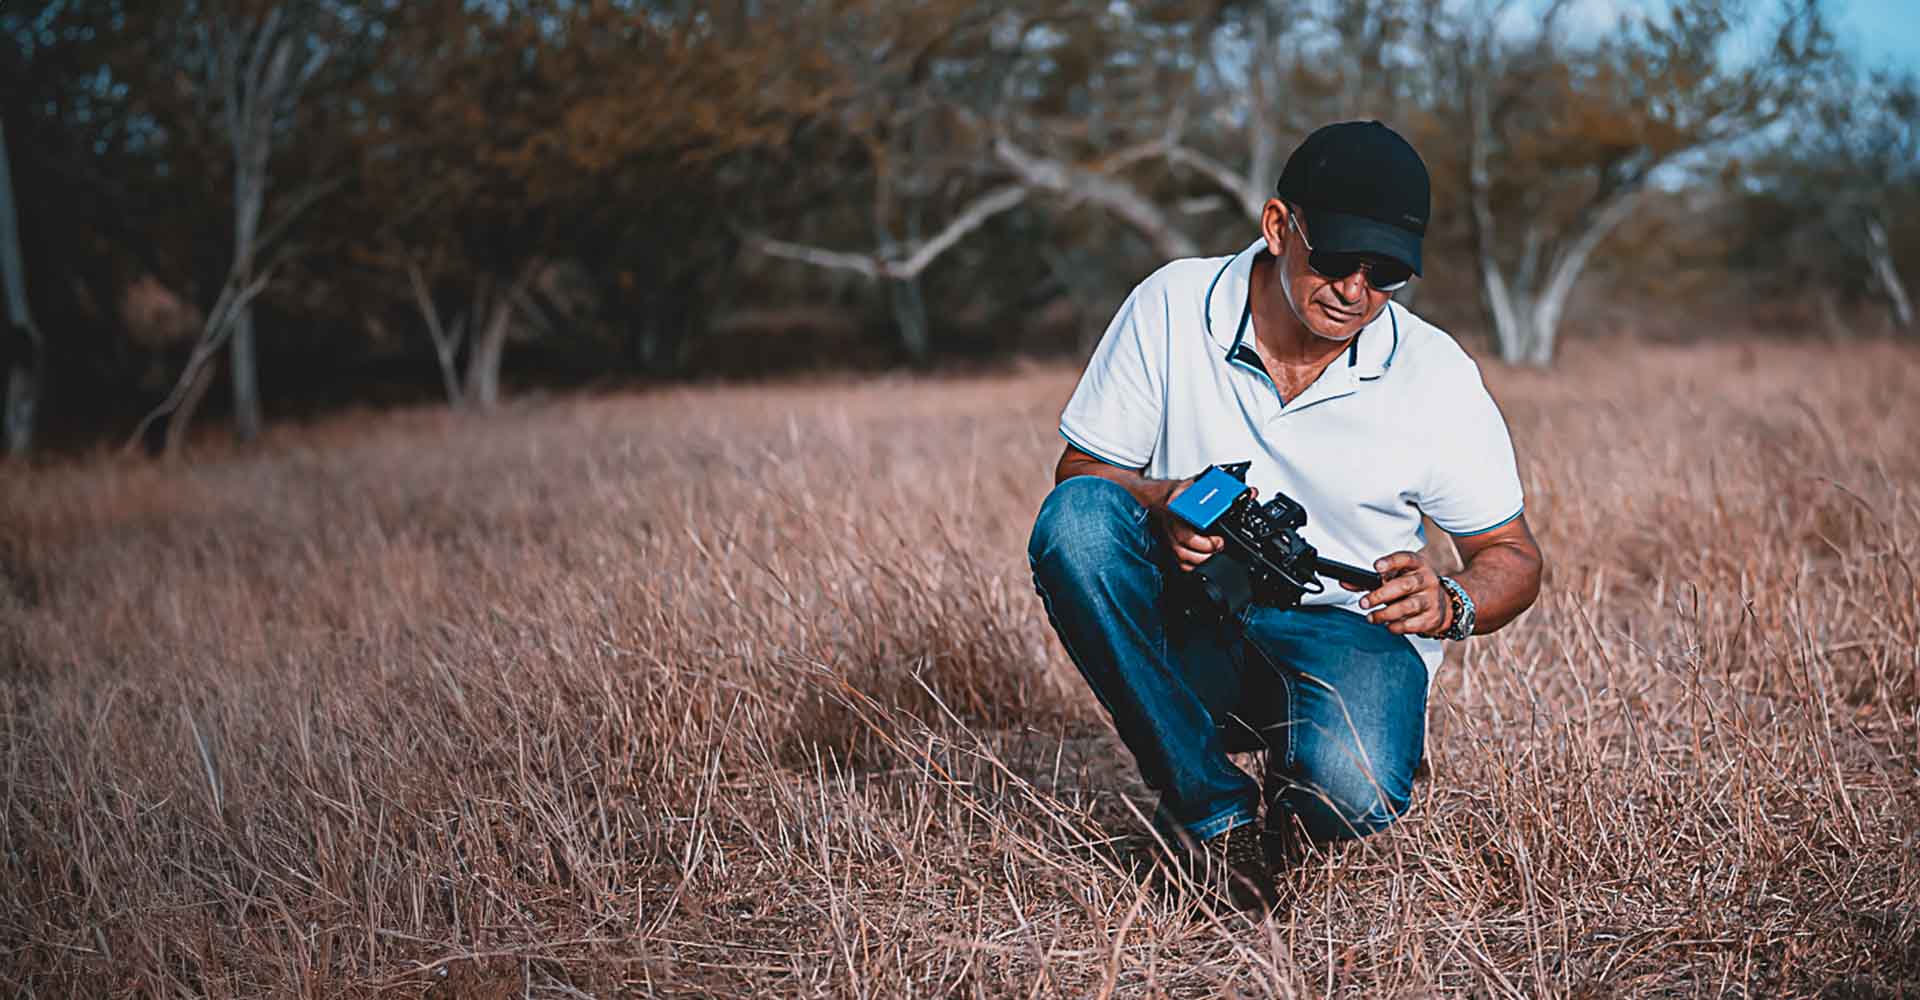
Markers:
1473,484
1115,412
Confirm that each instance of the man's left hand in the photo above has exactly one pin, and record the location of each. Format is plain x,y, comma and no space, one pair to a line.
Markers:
1410,601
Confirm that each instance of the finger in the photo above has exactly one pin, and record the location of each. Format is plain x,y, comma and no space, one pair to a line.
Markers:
1198,542
1414,607
1190,556
1189,553
1421,624
1355,588
1395,563
1396,589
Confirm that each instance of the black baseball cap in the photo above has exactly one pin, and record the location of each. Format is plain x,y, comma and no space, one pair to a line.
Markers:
1363,189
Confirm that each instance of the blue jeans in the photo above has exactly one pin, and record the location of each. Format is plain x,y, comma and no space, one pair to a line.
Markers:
1338,702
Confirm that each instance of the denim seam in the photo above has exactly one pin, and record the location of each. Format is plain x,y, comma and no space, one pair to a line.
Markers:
1293,719
1046,601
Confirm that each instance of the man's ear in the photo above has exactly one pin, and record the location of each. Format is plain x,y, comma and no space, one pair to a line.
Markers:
1273,224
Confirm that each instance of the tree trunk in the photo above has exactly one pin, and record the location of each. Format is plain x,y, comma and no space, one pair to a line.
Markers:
492,316
1507,306
1888,276
1512,311
24,350
910,316
446,340
1526,317
250,149
182,417
259,84
246,378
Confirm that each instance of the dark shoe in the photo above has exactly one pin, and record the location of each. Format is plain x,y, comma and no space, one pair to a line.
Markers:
1232,868
1284,843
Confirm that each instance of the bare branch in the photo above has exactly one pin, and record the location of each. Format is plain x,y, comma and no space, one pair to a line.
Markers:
213,336
868,265
985,207
1114,195
1247,192
874,266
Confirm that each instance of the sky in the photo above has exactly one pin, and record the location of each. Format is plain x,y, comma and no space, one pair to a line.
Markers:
1884,34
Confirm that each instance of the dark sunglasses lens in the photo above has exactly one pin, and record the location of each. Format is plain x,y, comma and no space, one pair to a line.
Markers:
1334,265
1384,275
1388,275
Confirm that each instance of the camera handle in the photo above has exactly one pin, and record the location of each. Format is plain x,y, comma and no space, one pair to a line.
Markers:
1364,578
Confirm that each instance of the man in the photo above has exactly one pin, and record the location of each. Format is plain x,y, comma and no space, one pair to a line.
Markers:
1291,355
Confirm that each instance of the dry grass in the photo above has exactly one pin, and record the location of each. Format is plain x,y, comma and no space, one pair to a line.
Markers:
744,692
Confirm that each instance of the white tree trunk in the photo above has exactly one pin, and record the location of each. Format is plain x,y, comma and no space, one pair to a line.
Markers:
1603,218
493,317
446,340
1508,306
910,316
260,85
1889,277
27,362
1509,313
1526,316
246,378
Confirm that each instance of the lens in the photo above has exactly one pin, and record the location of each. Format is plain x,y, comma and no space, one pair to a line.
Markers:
1383,274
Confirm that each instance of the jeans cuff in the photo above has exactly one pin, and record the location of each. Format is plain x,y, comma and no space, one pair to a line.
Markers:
1229,818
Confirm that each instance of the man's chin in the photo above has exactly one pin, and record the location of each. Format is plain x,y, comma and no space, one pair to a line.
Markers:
1342,333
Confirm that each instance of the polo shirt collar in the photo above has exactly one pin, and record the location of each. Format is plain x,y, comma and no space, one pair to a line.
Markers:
1227,295
1372,350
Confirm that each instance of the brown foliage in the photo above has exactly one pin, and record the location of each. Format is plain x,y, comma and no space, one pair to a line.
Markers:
744,691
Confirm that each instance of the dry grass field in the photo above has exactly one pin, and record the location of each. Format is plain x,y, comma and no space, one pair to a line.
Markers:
744,691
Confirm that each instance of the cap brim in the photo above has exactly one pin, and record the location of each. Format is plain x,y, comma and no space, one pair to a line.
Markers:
1338,232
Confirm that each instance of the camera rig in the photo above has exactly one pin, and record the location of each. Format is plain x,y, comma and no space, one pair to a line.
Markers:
1265,561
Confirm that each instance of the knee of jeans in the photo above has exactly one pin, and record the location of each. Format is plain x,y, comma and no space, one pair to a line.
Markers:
1352,797
1083,521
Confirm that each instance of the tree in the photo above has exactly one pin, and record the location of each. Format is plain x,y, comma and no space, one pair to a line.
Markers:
259,83
1560,139
24,350
253,68
560,131
1847,184
972,111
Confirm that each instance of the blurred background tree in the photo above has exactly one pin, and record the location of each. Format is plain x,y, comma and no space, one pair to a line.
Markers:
369,201
1830,211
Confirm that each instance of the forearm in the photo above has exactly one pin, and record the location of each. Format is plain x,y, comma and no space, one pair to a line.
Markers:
1503,581
1149,493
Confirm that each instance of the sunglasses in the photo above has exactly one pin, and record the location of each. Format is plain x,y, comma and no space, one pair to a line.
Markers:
1383,274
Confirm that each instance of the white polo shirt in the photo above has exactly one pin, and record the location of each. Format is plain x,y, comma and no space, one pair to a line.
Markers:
1398,426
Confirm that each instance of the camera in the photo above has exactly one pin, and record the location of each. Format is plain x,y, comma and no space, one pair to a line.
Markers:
1264,561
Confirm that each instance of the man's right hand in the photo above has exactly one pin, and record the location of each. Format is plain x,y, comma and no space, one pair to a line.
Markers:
1190,547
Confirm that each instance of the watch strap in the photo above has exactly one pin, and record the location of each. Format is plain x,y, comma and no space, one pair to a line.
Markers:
1463,610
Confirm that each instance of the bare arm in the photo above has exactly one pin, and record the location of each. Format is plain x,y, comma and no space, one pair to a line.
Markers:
1189,546
1502,575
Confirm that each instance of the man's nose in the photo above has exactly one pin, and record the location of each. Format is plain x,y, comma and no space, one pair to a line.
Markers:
1353,287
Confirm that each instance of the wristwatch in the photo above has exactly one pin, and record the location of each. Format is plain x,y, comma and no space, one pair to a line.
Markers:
1462,611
